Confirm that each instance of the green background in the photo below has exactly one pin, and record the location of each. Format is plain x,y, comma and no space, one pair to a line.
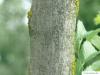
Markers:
14,38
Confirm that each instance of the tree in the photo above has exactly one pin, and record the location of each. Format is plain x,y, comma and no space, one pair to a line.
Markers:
52,28
14,37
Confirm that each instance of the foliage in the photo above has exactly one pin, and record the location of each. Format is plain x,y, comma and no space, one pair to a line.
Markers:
88,37
87,49
88,11
14,40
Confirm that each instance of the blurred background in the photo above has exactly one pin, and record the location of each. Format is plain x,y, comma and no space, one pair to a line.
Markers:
14,37
89,13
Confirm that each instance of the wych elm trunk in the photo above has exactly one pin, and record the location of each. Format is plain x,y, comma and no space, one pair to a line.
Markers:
52,29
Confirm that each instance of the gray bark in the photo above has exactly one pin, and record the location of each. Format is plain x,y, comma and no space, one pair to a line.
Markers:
52,36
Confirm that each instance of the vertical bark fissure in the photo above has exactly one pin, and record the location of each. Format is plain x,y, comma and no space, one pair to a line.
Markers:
51,37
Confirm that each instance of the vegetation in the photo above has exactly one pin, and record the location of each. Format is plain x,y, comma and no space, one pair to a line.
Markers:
14,38
88,37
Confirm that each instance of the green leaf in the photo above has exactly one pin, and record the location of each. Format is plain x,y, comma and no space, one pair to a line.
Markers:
79,66
96,65
80,34
92,33
91,59
81,31
93,37
88,49
96,41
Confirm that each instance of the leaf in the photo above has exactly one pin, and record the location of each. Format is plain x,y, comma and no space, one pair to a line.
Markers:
79,67
87,56
92,33
80,34
91,59
93,37
88,49
87,45
81,31
96,41
96,65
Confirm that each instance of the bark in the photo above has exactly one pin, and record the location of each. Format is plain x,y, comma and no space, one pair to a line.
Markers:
52,28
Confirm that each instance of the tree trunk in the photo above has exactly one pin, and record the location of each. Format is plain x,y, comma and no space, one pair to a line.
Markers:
52,28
